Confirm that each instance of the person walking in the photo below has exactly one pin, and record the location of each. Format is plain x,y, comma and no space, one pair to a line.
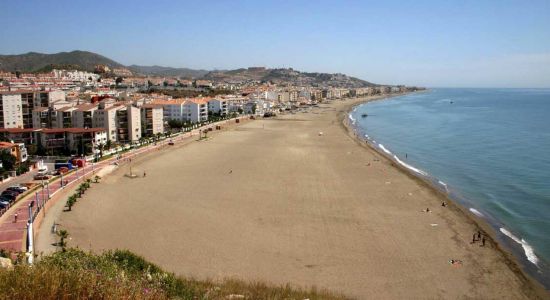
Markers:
15,218
483,242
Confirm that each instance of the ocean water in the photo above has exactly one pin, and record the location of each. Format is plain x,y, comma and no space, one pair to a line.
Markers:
488,148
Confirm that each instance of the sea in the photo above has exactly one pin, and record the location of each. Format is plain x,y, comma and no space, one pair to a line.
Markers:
489,149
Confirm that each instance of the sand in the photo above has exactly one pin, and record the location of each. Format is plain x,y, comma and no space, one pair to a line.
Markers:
272,200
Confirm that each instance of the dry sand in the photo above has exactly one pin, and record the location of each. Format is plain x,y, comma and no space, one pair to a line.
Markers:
272,200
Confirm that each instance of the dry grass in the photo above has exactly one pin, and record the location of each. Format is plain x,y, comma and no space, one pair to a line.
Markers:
75,274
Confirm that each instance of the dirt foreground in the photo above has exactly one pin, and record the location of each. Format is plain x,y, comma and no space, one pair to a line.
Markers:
275,201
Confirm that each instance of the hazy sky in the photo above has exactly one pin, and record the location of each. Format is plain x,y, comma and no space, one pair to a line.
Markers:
431,43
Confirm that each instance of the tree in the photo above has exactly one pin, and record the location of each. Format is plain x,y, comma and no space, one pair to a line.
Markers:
63,235
8,160
175,123
97,178
118,80
71,201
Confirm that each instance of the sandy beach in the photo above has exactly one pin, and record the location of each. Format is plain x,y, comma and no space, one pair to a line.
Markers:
273,200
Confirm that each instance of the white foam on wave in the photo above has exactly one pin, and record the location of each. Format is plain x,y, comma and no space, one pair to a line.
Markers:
476,212
409,166
384,149
442,183
527,249
351,119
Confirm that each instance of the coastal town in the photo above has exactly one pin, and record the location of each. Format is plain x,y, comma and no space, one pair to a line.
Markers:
80,113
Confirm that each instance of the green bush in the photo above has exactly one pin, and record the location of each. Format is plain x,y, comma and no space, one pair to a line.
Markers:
120,274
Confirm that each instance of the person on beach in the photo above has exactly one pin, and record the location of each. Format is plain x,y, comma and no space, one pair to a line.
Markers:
443,204
483,242
144,174
479,234
15,218
474,239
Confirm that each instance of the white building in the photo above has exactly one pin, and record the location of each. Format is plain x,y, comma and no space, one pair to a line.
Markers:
218,106
191,110
11,111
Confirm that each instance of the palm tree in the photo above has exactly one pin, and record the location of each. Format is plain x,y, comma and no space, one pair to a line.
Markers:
63,235
97,178
71,201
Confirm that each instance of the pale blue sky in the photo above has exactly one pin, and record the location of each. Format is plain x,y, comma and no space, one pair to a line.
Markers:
431,43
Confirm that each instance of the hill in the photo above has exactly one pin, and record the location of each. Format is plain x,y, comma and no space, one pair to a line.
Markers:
120,274
287,76
36,62
86,61
167,71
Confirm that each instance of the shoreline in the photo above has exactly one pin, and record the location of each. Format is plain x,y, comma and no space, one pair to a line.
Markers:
428,181
323,220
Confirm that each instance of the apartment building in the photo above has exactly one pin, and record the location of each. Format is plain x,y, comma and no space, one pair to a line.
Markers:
105,117
83,115
152,119
64,117
18,110
185,110
42,117
11,112
218,106
197,110
122,123
71,140
19,135
128,124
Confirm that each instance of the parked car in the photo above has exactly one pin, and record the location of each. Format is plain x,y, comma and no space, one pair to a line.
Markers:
12,197
24,188
6,199
17,189
3,204
61,170
11,192
41,177
2,198
171,143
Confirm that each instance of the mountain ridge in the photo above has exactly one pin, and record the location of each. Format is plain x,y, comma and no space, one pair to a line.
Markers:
86,61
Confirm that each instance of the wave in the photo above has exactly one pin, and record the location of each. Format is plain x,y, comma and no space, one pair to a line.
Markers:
529,251
384,149
442,183
410,167
351,119
476,212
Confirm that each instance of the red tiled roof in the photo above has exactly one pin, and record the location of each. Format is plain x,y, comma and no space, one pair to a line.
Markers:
18,130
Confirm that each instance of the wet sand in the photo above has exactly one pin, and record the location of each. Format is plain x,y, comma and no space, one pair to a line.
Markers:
272,200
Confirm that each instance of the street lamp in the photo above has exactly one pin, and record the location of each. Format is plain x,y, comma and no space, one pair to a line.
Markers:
30,211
